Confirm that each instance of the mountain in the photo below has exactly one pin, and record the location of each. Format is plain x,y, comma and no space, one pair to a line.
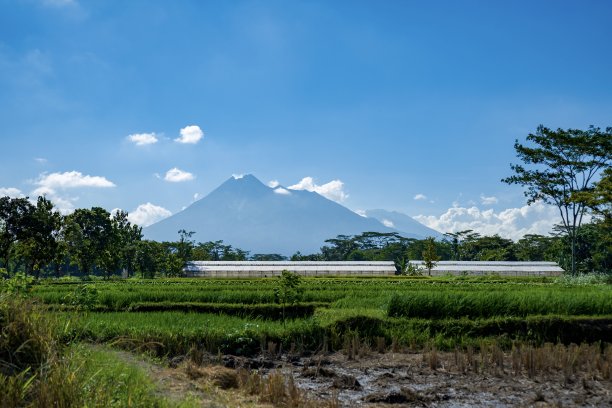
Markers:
249,215
403,222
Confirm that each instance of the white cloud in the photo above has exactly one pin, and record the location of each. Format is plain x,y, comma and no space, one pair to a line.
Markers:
237,176
361,213
273,183
282,191
11,192
488,200
65,205
40,160
332,190
512,223
176,175
49,184
388,223
190,135
147,214
72,179
142,139
420,197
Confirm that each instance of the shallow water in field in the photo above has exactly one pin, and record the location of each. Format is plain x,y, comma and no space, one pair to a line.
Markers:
406,379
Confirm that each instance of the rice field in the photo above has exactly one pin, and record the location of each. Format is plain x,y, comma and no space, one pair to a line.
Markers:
242,316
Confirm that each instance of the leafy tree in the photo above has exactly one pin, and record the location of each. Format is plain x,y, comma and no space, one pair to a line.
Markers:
89,233
298,256
150,258
268,257
456,240
13,225
39,236
534,247
339,248
287,290
128,236
430,257
562,163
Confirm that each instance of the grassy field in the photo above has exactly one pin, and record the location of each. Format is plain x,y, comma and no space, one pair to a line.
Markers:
240,316
66,341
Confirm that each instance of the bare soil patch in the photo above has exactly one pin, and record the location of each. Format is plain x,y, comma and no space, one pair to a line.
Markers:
441,379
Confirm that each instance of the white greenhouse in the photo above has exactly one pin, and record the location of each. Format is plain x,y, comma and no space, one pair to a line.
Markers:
210,269
505,268
252,269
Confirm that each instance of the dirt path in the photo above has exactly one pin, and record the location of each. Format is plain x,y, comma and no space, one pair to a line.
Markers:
176,385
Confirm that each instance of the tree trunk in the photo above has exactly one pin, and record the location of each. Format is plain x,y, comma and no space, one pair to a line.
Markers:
574,253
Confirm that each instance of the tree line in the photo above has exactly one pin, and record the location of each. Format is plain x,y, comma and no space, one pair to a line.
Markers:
37,240
570,169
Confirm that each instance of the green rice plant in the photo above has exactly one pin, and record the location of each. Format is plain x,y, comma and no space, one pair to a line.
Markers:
256,311
456,304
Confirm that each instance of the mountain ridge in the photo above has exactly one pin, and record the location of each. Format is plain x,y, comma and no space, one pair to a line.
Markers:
247,214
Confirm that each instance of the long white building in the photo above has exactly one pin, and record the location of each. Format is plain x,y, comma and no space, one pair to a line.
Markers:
213,269
274,268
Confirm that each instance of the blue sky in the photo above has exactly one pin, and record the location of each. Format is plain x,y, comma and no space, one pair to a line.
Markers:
407,105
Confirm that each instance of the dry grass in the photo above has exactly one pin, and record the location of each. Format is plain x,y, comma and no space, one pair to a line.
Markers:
280,390
592,361
33,371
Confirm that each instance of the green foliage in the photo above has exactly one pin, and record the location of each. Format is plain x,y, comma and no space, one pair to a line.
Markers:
38,369
256,311
83,297
457,304
19,284
107,380
288,290
563,166
170,317
586,279
430,257
406,268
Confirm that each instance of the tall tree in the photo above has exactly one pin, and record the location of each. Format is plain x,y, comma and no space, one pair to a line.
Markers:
13,225
562,163
89,234
430,257
39,237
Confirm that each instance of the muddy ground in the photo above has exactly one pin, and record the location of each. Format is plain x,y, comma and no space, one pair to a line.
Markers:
434,379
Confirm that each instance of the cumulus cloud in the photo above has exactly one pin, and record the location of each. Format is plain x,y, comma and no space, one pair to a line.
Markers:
273,183
361,213
176,175
388,223
282,191
237,176
142,139
11,192
190,135
72,179
488,200
420,197
334,190
64,204
147,214
55,185
512,223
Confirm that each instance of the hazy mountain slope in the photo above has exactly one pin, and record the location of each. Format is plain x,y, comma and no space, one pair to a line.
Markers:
249,215
403,222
